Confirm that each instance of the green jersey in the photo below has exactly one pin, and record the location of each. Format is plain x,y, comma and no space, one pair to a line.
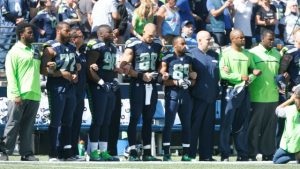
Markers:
264,88
23,73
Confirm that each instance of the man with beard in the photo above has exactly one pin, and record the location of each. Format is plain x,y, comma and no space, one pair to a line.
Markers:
177,71
24,93
102,85
59,64
264,99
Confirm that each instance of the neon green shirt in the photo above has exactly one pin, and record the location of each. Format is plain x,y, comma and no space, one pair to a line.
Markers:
264,88
237,63
290,140
140,23
23,73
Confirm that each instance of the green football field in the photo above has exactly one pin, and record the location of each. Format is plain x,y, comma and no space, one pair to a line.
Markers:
14,163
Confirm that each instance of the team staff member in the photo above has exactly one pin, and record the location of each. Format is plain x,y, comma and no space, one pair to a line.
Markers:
102,85
59,64
77,39
205,92
144,55
264,99
24,93
177,67
234,65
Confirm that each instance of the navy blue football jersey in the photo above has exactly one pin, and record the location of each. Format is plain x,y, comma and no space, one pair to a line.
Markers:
146,56
178,67
65,59
294,65
107,58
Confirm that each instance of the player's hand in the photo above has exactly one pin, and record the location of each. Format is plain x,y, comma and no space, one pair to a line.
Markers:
94,67
74,78
245,78
18,101
184,83
66,75
147,77
126,68
225,69
115,85
165,76
256,72
193,75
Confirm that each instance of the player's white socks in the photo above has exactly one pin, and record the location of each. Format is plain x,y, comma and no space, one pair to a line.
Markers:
94,146
102,146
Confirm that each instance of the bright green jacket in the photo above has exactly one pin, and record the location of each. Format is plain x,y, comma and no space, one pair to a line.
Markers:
290,140
264,88
238,64
23,73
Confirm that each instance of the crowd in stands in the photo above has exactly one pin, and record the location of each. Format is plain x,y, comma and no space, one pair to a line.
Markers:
250,79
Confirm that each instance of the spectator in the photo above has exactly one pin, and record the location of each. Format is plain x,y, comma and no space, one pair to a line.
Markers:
122,25
45,21
104,13
13,13
290,21
220,20
168,22
265,17
280,6
185,11
142,15
290,141
264,99
24,93
187,32
86,7
242,19
69,12
199,8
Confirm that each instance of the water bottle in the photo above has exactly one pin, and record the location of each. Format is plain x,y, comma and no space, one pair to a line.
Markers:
81,148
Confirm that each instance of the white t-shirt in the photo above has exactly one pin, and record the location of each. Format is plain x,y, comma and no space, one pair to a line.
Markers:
102,13
291,22
242,17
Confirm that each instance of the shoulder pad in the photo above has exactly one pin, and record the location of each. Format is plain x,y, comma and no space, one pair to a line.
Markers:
132,42
188,54
72,44
95,44
51,43
291,50
156,40
167,56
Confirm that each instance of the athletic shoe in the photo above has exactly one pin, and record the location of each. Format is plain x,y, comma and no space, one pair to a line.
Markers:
94,156
186,158
150,158
225,159
167,157
133,158
105,156
53,159
207,159
3,156
29,158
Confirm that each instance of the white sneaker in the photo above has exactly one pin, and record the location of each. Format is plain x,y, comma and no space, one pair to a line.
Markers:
53,160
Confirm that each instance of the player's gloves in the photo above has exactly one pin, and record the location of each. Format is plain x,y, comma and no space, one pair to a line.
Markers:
184,83
115,85
105,85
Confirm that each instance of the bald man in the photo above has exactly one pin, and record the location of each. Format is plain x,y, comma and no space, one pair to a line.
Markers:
235,63
144,56
204,94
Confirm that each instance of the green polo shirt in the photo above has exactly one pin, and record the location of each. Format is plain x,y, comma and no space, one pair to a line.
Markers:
238,64
23,73
264,88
